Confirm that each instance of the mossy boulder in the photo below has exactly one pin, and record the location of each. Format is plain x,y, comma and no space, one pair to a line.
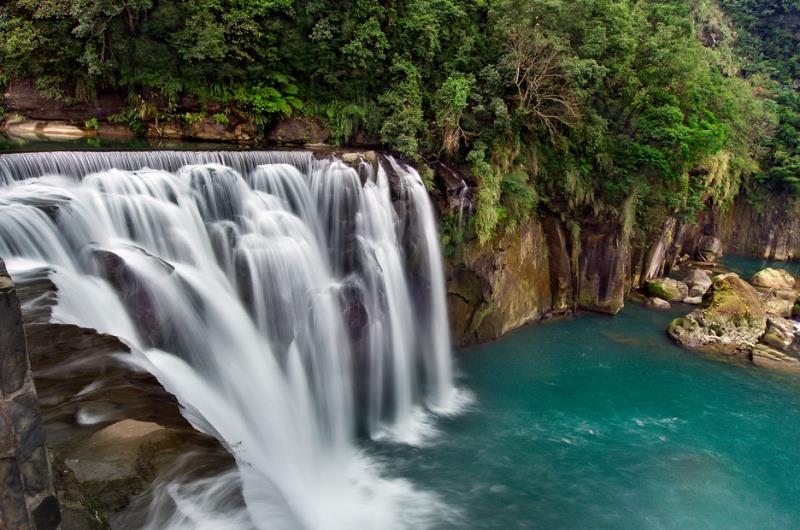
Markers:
778,288
770,278
779,301
668,289
732,319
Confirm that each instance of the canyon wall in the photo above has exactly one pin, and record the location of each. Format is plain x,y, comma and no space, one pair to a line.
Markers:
544,269
549,268
27,498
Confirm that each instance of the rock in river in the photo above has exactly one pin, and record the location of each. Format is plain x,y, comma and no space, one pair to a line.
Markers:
780,332
731,320
668,289
699,282
773,279
767,357
657,303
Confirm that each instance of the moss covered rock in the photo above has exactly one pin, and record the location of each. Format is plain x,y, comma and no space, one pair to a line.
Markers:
668,289
774,279
732,319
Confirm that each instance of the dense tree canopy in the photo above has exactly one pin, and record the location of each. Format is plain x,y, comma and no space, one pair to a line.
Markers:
566,105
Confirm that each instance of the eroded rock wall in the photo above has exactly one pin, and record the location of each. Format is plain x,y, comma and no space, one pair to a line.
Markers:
544,269
548,267
27,498
769,230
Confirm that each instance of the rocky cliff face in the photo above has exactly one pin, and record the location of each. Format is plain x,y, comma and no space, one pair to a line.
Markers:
548,268
770,230
27,499
544,269
525,277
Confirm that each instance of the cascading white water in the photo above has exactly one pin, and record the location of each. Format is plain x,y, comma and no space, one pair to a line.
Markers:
271,292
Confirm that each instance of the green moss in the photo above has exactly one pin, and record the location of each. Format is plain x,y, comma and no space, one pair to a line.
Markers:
479,318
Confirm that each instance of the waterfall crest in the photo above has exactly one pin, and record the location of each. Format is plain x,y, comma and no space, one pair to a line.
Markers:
291,304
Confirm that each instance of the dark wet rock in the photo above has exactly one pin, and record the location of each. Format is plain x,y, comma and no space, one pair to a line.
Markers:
603,266
47,516
298,131
709,248
25,477
111,427
13,512
14,359
135,294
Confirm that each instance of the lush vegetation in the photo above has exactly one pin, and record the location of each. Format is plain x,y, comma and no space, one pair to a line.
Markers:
574,106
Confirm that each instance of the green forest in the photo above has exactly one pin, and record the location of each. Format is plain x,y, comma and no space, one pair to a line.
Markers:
647,107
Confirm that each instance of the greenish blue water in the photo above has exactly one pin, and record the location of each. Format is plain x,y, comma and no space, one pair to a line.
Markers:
747,267
599,422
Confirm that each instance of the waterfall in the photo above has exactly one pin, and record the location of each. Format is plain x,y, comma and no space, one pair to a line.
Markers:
292,304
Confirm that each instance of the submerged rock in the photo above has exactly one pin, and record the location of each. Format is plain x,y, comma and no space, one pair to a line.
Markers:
657,303
668,289
732,319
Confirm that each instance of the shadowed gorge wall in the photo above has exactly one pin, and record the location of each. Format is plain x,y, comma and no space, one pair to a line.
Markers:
27,500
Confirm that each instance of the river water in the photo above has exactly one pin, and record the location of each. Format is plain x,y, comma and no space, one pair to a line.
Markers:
599,422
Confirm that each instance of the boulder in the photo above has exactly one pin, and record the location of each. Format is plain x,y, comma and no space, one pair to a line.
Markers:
773,279
693,300
657,303
668,289
350,158
732,319
780,332
767,357
709,248
698,281
61,130
779,301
